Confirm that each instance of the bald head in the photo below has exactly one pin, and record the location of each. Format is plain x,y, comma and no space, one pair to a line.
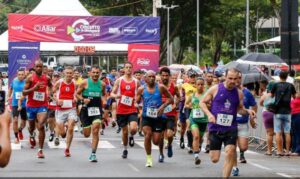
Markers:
150,72
38,67
150,78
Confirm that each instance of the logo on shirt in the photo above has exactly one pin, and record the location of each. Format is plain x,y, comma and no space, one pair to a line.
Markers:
127,87
227,104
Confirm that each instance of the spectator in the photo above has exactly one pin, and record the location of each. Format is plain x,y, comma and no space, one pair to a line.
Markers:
295,126
283,91
268,116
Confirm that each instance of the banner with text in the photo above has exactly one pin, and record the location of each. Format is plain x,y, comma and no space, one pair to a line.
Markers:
21,55
91,29
144,57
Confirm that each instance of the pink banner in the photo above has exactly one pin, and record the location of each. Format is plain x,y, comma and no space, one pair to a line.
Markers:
144,56
86,29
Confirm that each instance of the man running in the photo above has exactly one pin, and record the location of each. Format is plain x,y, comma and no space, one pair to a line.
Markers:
124,90
18,108
36,88
243,127
169,111
64,90
91,93
153,109
226,101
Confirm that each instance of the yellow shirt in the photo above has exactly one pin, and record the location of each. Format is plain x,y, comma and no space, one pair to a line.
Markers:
189,89
78,81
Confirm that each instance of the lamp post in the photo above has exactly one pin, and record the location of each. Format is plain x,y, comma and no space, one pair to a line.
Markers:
247,26
168,27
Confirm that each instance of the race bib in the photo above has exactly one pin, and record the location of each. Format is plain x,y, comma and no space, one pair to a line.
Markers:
38,96
198,113
126,100
93,111
168,108
224,119
18,95
67,104
151,112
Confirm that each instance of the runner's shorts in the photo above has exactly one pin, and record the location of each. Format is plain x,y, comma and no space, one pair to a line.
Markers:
157,124
125,119
63,116
87,120
217,138
22,113
32,112
169,123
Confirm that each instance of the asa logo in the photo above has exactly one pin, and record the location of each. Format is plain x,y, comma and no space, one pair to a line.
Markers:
143,61
50,29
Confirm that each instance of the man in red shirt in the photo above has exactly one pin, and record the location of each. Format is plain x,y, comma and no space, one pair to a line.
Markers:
124,90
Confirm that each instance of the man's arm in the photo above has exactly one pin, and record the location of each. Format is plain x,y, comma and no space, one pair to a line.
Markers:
26,89
80,89
177,94
5,146
114,92
103,97
165,91
139,94
241,109
208,97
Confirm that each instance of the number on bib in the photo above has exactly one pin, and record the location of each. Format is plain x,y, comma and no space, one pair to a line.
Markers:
168,108
151,112
53,103
18,95
126,100
198,113
93,111
224,119
38,96
67,104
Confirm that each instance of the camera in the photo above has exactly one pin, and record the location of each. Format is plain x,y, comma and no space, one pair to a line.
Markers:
2,102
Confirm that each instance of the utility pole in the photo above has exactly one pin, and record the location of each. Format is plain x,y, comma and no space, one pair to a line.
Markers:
247,26
198,45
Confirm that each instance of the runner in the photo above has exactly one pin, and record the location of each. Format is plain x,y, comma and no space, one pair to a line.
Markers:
36,88
90,92
198,120
51,109
138,75
170,112
188,89
226,101
124,91
64,90
243,126
153,108
209,82
18,108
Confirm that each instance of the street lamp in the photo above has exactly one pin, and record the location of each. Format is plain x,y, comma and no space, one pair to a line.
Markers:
168,26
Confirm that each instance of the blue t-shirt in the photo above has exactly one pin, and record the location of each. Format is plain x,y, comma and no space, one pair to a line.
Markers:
17,87
248,101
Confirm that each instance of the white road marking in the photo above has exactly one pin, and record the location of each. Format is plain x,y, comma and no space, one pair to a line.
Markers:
284,175
141,144
16,146
260,166
62,145
133,167
105,145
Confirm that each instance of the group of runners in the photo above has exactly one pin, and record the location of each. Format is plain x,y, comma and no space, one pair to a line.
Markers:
151,104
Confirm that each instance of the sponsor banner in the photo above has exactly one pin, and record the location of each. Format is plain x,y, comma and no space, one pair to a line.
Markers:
144,57
86,29
21,55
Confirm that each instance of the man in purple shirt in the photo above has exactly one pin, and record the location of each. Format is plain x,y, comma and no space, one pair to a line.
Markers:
226,102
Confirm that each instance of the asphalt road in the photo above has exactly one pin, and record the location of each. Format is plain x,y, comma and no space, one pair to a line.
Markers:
24,162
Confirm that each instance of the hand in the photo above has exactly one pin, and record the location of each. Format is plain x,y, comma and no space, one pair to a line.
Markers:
118,96
160,110
19,108
253,123
86,101
60,102
5,118
37,86
251,113
136,105
211,119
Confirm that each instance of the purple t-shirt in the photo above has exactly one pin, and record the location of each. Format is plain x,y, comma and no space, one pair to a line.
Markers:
224,106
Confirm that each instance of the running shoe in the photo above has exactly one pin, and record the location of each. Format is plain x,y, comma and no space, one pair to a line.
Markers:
131,141
190,150
67,153
32,142
113,124
197,161
182,146
76,129
118,130
125,153
40,154
161,158
93,158
51,137
235,172
141,134
207,149
149,162
102,132
56,141
243,159
170,151
20,134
